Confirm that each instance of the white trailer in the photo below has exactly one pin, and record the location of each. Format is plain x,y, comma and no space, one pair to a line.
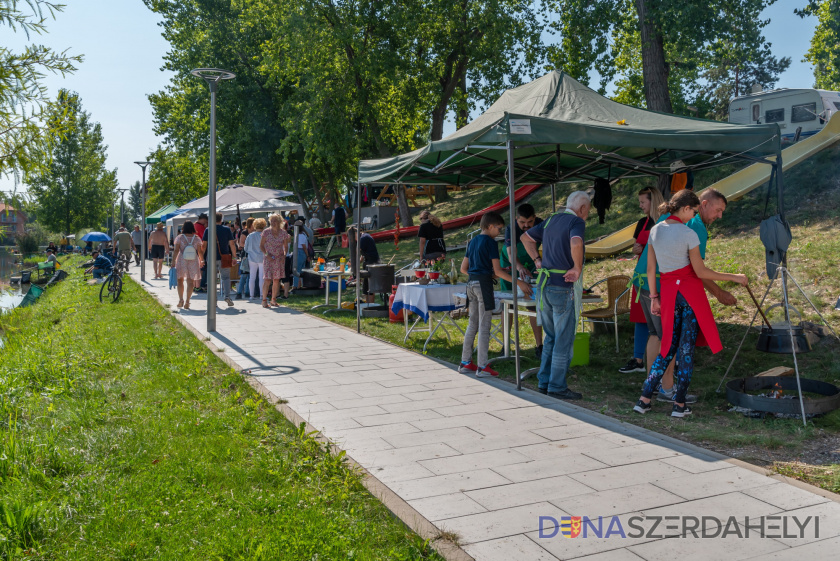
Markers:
792,108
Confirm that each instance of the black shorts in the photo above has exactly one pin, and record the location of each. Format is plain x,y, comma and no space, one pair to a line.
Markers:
157,252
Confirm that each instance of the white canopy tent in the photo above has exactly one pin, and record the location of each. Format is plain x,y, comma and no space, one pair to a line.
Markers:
257,209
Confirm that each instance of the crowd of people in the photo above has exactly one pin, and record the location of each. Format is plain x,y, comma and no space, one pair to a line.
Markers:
260,249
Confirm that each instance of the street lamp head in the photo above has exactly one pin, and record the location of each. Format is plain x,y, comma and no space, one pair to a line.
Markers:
213,74
143,164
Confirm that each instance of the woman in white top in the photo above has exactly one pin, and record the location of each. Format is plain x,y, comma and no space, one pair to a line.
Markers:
255,256
687,318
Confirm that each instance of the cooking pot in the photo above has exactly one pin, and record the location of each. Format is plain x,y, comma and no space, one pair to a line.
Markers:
380,278
776,339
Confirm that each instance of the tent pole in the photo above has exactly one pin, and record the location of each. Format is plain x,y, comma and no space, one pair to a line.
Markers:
780,184
513,264
357,264
553,197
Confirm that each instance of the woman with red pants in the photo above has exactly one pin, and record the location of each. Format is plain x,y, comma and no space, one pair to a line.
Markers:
687,318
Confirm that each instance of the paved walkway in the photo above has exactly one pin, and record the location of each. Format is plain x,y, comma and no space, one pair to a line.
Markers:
481,460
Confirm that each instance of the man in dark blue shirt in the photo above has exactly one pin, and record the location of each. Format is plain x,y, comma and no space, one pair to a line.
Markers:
102,266
559,268
224,245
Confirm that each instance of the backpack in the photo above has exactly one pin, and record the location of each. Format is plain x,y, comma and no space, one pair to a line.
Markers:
190,254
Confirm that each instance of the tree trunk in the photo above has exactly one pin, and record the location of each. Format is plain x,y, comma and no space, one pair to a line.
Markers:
298,193
655,68
324,213
405,212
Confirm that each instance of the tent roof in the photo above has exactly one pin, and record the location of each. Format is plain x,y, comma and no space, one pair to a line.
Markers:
154,218
561,130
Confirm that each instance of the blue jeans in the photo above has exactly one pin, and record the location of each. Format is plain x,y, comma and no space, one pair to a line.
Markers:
558,323
99,273
640,339
301,263
242,284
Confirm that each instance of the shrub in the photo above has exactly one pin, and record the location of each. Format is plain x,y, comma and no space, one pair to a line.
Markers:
27,243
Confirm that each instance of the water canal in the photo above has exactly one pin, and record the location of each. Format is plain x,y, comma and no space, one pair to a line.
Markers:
10,295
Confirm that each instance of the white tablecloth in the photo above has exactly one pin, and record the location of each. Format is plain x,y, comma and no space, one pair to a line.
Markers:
424,299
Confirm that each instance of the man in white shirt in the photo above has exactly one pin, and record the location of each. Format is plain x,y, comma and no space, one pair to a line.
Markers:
137,240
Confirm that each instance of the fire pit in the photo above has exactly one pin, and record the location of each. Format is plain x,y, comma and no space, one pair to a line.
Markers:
774,399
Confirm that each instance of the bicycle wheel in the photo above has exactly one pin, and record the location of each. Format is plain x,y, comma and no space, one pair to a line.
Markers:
105,291
116,289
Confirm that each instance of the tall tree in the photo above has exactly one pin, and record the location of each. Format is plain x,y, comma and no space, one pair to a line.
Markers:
134,208
24,100
661,52
824,53
71,185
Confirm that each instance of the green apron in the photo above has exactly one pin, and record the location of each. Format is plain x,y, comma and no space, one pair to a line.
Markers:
522,258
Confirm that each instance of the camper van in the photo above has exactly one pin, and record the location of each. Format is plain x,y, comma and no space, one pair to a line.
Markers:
793,109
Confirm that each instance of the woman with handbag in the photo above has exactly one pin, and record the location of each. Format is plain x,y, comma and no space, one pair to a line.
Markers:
274,242
188,262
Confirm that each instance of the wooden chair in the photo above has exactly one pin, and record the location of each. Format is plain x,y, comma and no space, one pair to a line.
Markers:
617,303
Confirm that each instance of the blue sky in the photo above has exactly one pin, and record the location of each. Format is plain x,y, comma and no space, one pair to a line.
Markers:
124,51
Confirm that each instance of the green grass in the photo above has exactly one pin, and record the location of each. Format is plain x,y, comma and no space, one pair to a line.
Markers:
123,437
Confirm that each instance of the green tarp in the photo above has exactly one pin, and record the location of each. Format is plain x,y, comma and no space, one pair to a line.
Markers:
154,218
563,130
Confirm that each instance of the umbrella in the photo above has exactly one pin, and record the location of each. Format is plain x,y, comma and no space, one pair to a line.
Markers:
238,195
96,237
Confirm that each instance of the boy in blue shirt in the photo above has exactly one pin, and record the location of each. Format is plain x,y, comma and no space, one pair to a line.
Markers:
481,263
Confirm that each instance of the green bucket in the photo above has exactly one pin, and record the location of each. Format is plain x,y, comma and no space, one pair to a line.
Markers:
581,350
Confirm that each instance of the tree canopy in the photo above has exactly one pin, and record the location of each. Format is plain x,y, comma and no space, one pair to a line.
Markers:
71,185
24,99
824,53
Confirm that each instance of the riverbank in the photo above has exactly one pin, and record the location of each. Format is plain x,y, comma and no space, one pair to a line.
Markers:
124,437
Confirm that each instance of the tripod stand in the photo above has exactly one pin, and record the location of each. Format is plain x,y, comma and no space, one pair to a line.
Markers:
784,273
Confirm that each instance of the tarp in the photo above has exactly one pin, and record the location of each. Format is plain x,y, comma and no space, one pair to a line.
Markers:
564,130
155,217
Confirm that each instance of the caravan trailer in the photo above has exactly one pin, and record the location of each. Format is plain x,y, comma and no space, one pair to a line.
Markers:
793,109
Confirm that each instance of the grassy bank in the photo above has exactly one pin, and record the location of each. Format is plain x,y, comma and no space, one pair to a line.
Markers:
123,437
811,453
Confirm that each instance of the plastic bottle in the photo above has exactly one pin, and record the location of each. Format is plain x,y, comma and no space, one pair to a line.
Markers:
343,264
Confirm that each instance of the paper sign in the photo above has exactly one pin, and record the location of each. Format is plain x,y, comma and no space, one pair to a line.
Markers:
520,126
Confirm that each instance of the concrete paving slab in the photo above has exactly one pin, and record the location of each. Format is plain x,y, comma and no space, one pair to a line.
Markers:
500,523
618,501
553,489
442,507
446,484
511,548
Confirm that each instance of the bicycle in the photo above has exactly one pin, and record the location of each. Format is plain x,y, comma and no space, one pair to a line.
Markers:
112,287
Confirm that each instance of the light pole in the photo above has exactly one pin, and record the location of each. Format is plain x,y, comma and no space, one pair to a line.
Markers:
122,204
212,76
143,166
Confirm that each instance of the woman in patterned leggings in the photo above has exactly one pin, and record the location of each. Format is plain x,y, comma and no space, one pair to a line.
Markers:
687,319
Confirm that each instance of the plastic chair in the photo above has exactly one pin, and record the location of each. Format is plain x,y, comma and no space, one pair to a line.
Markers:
618,303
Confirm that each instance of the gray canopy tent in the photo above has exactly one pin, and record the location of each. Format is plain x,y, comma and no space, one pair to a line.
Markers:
555,129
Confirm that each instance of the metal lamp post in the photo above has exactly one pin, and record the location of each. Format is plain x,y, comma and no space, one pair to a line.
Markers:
212,76
143,166
122,204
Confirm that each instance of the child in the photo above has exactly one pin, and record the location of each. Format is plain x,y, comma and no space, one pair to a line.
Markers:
482,264
681,301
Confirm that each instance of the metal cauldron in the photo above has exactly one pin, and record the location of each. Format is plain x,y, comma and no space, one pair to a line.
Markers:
380,278
776,339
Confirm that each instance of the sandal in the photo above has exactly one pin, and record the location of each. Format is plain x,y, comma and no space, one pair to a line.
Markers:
265,303
181,303
274,304
187,306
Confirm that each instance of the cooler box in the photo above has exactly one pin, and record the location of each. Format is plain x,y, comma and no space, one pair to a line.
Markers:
581,350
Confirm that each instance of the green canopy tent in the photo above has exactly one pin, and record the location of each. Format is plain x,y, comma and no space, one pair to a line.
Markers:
154,218
556,129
